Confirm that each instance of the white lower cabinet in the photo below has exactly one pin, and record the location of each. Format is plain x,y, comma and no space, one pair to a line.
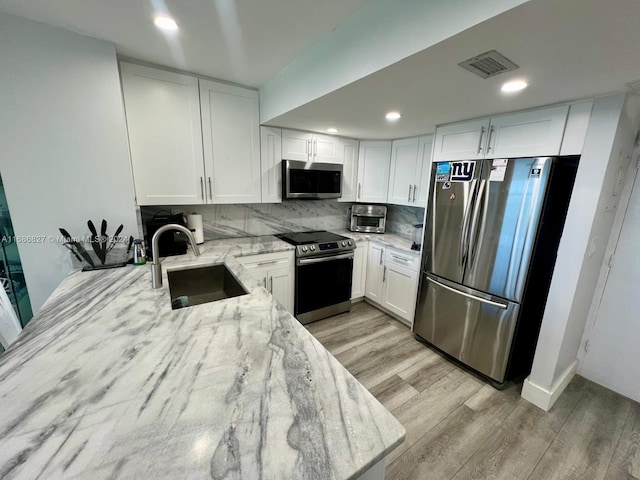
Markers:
276,271
392,280
359,270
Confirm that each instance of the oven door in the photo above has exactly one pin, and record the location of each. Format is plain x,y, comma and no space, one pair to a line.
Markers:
323,286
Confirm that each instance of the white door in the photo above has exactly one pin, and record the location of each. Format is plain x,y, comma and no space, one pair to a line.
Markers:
375,270
231,139
326,149
530,134
424,163
374,159
280,284
403,172
165,138
296,145
359,270
399,292
270,163
349,170
461,141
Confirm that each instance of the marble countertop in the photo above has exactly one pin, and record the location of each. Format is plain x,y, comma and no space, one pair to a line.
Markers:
391,239
107,381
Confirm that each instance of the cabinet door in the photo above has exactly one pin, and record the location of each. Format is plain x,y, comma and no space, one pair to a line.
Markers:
349,170
359,270
403,172
375,270
424,163
530,134
165,139
461,141
373,171
231,139
400,289
326,149
270,163
280,284
296,145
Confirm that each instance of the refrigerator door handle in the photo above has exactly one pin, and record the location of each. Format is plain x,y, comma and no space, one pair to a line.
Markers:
473,234
468,295
463,248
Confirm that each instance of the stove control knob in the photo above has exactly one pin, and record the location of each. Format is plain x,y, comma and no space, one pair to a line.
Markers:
312,247
304,249
344,244
350,243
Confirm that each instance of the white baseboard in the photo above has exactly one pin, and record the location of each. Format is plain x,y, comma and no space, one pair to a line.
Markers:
543,398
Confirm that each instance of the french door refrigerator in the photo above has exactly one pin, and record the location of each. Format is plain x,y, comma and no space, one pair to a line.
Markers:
492,233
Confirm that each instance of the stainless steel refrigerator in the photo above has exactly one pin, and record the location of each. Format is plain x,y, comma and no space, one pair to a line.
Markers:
492,233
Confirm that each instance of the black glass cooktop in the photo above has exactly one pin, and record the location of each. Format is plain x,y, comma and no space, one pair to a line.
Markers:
307,238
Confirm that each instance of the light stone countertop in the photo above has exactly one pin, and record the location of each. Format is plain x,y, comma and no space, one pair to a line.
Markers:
391,239
107,381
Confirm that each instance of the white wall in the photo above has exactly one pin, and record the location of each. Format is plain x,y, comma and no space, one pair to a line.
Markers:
373,37
64,155
581,252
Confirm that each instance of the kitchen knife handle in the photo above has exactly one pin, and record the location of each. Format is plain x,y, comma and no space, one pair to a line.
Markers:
202,188
480,141
409,199
210,190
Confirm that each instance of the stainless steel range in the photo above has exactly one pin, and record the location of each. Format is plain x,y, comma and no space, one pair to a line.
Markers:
324,269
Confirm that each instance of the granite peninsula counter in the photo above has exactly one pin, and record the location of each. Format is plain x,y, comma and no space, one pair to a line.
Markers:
108,382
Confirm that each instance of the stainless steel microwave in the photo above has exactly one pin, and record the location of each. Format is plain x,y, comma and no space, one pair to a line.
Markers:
368,218
311,180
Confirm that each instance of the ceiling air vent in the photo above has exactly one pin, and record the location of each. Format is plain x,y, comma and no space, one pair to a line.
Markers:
488,64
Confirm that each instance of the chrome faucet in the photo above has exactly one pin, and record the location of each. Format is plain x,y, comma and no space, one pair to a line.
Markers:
156,266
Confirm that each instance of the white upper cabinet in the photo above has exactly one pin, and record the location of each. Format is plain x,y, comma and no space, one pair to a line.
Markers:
270,162
165,138
296,145
424,159
311,147
531,133
410,171
374,159
461,141
534,133
349,150
231,139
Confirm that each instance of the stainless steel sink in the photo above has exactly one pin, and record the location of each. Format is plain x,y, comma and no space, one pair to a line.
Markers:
194,286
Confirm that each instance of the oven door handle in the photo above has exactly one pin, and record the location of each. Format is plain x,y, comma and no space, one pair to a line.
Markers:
309,261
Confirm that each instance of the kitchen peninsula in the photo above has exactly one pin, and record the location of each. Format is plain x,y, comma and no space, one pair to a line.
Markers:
108,381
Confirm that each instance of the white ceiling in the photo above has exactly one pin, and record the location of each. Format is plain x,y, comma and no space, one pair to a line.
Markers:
567,49
241,41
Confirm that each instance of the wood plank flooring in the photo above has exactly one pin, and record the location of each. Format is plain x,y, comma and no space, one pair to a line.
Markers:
458,427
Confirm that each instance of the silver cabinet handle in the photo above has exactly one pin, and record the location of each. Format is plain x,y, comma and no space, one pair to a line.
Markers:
480,141
489,139
409,199
309,149
384,274
468,295
359,190
264,280
415,187
400,258
315,148
270,262
381,253
270,284
202,188
210,190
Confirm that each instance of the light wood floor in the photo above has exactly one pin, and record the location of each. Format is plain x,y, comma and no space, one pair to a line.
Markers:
458,427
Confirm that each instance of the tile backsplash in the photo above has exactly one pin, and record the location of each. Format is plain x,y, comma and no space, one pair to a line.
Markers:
228,221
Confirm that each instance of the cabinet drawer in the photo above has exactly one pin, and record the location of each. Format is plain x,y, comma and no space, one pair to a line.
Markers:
402,259
267,260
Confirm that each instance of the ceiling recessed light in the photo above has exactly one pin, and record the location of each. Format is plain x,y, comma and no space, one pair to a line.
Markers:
165,23
332,130
393,115
514,86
